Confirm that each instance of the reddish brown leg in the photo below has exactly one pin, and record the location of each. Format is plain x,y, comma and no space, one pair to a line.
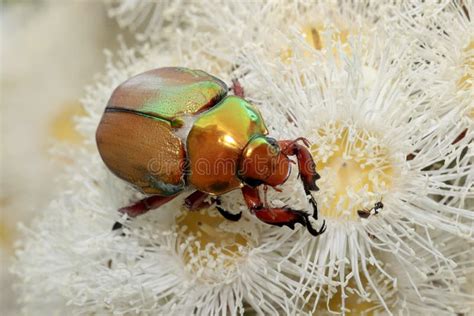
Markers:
196,200
237,88
277,216
143,206
306,166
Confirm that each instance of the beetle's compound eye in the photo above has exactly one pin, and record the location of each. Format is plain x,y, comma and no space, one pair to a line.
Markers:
272,141
274,144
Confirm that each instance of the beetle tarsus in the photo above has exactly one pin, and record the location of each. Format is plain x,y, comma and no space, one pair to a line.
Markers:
117,225
313,203
229,216
313,231
283,216
306,166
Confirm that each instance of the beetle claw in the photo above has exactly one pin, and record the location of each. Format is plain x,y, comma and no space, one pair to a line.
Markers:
291,225
118,228
229,216
117,225
313,231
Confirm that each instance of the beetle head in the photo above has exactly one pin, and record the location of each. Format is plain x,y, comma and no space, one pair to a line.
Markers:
263,162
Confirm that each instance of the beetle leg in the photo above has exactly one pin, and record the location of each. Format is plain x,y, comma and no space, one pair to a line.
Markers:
143,206
237,88
226,214
196,200
277,216
306,166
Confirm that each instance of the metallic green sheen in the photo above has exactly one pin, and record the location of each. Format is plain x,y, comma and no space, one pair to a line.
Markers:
216,141
174,101
169,93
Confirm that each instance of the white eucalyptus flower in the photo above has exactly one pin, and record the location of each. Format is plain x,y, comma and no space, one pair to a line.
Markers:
374,139
439,289
147,20
219,30
376,134
169,261
444,37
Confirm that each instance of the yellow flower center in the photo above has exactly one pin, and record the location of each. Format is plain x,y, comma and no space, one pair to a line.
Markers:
353,303
355,170
210,240
314,35
465,82
324,38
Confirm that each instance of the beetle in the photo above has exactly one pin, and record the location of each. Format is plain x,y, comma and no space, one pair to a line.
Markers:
174,128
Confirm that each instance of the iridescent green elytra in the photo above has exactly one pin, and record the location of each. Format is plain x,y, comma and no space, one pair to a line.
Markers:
138,136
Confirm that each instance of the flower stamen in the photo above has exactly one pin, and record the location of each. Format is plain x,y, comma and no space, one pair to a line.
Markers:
465,82
206,242
355,169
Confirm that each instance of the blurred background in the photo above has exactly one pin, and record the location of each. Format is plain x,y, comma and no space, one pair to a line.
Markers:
50,50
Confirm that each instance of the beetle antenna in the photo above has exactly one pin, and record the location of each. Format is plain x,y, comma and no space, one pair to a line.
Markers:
265,191
305,141
237,88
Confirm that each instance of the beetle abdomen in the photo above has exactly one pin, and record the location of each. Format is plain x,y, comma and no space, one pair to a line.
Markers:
143,151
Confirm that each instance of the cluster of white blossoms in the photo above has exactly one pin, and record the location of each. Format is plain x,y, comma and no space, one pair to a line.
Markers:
384,94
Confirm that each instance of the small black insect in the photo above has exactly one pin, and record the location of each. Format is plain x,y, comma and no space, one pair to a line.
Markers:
365,213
